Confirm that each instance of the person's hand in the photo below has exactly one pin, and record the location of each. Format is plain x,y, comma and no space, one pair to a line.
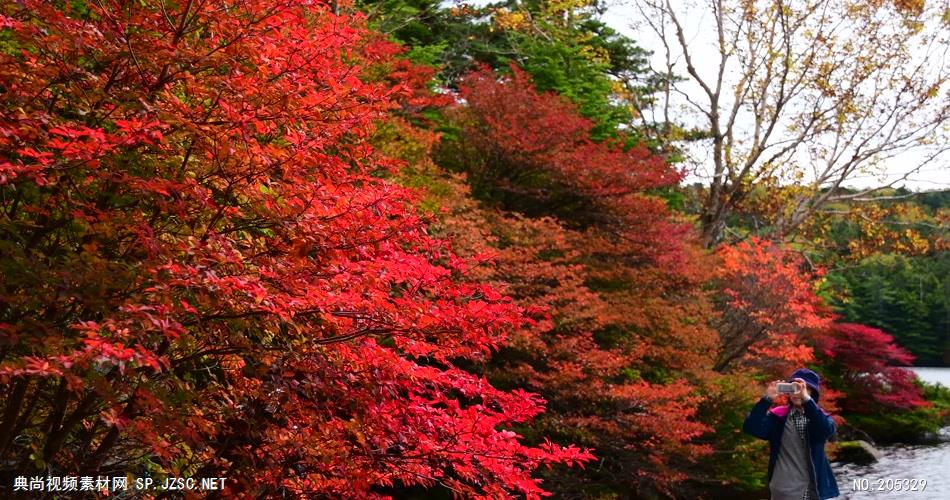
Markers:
801,389
771,391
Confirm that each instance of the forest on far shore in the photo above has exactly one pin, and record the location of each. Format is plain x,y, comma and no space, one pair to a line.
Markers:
907,295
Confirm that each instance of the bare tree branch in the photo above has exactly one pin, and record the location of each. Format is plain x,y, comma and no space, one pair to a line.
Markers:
820,91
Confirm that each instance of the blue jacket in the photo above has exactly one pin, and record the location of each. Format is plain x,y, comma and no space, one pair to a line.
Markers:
770,424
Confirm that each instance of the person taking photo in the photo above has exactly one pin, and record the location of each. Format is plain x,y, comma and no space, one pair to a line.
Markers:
797,433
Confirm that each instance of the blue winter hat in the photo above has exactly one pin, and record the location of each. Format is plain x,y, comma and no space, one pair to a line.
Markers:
812,380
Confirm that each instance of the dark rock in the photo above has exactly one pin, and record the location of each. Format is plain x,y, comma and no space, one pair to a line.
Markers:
856,452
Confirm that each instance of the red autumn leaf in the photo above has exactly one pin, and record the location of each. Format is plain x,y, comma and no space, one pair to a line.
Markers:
300,339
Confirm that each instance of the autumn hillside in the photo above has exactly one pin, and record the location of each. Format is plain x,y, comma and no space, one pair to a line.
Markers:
409,249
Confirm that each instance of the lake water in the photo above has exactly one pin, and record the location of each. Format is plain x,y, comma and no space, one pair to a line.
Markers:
923,463
934,375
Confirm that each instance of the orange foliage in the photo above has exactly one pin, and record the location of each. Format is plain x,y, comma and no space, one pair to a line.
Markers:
769,307
620,345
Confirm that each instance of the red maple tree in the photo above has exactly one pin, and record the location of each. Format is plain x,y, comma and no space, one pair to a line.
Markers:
770,311
872,368
619,347
203,276
533,151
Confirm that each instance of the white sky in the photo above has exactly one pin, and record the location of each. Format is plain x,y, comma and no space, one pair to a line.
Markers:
622,17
